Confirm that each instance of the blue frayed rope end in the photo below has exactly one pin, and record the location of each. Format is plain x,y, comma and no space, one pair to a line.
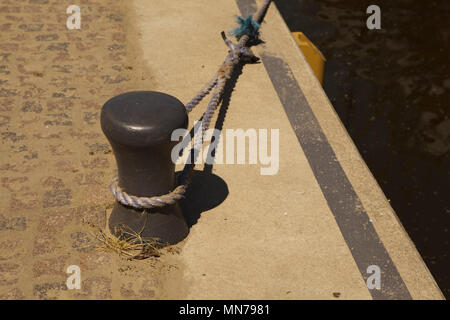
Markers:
247,27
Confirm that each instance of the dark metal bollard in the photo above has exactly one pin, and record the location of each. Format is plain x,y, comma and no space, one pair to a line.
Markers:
138,126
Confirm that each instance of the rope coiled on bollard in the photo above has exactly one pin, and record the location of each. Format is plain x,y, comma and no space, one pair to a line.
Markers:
240,52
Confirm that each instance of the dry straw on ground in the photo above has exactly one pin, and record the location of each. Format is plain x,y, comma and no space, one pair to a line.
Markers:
129,244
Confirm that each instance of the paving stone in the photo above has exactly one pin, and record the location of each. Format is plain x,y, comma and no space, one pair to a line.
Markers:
49,290
83,242
44,244
14,224
96,288
54,179
12,294
50,266
9,273
57,198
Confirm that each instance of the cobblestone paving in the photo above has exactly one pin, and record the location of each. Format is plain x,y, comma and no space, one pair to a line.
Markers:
55,163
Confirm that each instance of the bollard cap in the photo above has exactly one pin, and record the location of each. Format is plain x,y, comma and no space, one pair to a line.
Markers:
142,118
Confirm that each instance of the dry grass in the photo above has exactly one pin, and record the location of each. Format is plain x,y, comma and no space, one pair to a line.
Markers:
128,244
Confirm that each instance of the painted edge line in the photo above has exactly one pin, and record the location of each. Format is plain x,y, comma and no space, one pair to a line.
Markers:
350,215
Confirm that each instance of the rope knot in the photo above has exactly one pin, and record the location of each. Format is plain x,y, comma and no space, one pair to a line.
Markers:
247,55
239,52
247,27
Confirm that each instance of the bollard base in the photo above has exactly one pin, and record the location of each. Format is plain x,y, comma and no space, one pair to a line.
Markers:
165,225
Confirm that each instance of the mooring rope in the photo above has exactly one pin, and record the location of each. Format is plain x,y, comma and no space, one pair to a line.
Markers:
248,30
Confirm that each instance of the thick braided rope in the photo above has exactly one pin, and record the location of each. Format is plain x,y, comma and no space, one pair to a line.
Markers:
144,202
237,53
196,100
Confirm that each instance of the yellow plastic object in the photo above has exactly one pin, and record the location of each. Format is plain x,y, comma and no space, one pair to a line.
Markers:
313,56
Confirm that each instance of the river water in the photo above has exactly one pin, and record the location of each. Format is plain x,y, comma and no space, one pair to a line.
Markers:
391,89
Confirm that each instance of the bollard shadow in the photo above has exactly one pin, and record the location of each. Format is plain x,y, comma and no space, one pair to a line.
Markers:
207,190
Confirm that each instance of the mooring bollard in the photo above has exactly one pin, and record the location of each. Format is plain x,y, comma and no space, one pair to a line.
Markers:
139,126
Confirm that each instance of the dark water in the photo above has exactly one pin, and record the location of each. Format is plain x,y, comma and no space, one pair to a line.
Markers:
391,89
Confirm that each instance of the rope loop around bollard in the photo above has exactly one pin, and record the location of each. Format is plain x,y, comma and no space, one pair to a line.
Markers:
144,202
237,53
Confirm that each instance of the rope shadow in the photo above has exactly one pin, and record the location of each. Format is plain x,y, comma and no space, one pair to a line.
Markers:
207,190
